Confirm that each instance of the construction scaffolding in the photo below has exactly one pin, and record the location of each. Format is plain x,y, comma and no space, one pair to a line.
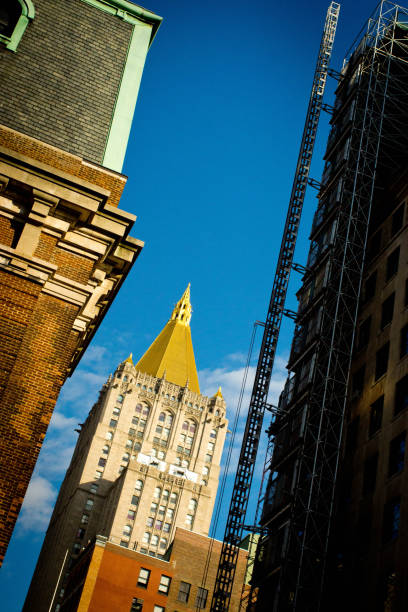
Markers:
258,403
367,145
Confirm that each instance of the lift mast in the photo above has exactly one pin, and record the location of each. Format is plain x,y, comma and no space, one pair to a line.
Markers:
250,442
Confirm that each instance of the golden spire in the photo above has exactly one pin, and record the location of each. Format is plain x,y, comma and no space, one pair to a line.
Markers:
172,352
182,310
129,359
219,393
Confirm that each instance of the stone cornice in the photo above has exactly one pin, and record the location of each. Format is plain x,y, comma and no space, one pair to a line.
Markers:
82,222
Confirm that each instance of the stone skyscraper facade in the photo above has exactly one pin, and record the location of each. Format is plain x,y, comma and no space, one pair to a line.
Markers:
146,462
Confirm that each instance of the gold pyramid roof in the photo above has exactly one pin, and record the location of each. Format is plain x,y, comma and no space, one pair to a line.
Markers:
171,354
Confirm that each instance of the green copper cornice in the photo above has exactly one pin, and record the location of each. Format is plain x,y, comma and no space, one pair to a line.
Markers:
129,12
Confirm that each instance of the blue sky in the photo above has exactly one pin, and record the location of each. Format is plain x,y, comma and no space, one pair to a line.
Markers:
210,162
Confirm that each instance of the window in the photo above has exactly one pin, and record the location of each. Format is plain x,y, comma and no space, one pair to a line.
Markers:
135,420
375,246
105,449
163,543
352,435
206,470
213,433
129,443
164,585
89,504
127,530
154,540
173,498
358,381
137,605
139,485
369,287
116,411
126,457
98,474
135,500
166,527
119,399
397,453
192,505
397,220
80,533
85,519
170,514
131,515
392,264
132,431
184,591
381,362
146,537
149,521
162,510
189,521
124,543
404,342
391,523
102,462
14,18
201,598
157,492
370,474
387,310
113,423
109,435
401,395
76,549
210,446
208,458
158,608
376,413
158,525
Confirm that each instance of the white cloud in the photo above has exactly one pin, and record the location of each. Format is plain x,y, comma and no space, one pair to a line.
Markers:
60,421
38,505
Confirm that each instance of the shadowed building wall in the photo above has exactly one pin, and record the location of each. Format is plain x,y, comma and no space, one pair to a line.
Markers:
70,74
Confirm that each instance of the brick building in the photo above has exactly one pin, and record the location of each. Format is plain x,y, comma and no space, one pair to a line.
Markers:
107,577
70,74
146,461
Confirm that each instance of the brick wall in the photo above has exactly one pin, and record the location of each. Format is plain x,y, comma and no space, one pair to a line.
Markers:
67,85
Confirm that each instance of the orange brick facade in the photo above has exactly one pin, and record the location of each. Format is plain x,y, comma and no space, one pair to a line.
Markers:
105,577
64,252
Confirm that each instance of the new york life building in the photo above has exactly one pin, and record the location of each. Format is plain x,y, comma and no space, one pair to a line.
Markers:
129,529
70,74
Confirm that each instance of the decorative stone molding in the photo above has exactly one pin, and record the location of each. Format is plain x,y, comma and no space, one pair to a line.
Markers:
69,222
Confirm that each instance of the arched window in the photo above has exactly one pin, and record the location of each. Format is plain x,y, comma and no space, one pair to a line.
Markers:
126,457
15,16
139,485
109,435
186,437
127,530
163,428
125,378
105,449
119,399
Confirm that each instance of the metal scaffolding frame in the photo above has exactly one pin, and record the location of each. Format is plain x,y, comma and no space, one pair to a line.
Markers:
245,469
377,72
